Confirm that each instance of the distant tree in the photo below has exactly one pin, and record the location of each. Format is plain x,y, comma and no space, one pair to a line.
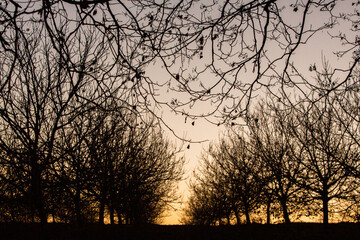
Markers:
134,168
157,171
231,179
210,197
71,177
54,53
325,148
243,171
199,209
208,204
273,144
46,83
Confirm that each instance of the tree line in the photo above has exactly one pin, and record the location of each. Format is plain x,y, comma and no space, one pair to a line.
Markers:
74,147
104,163
287,164
66,64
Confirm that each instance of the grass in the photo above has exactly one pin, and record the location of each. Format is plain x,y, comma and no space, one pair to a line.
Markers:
314,231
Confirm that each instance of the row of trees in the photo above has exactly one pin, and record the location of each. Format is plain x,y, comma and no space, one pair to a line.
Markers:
288,163
61,59
75,143
103,163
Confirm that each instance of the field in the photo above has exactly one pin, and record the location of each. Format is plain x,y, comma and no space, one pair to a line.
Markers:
282,231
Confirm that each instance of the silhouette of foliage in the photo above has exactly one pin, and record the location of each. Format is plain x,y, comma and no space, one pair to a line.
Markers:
63,62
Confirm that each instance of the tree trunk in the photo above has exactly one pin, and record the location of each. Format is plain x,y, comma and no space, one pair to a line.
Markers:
268,212
78,208
102,211
238,221
247,214
112,222
37,200
285,212
220,221
325,201
119,216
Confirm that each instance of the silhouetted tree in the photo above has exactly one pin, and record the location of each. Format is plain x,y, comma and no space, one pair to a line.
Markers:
243,171
325,148
301,160
345,111
199,209
274,145
134,168
209,203
59,56
232,181
71,176
345,123
45,86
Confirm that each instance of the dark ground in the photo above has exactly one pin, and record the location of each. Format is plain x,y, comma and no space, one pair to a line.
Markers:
282,231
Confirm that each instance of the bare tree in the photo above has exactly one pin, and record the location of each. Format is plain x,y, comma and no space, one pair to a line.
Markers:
53,72
200,207
325,148
243,171
211,196
43,88
71,176
274,145
209,202
58,56
232,179
134,168
345,111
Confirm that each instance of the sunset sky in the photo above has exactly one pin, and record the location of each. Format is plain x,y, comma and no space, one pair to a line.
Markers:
88,86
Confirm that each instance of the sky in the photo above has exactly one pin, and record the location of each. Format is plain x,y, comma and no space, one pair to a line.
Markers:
199,132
